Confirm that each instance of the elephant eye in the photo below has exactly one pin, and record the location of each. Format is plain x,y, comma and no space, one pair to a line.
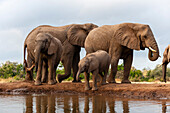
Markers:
145,36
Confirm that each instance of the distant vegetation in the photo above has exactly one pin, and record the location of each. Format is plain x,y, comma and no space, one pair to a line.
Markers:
15,70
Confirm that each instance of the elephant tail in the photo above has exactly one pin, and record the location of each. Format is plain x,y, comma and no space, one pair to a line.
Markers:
25,62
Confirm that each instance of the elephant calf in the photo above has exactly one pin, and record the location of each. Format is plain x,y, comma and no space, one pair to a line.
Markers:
97,63
48,52
165,61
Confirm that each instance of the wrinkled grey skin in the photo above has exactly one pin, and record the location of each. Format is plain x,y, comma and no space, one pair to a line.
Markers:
72,38
165,61
119,41
48,52
96,63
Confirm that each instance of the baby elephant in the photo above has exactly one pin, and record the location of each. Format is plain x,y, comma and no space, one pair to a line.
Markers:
48,50
97,63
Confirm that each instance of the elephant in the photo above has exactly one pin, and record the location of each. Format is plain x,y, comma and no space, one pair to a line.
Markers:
72,38
97,63
119,41
48,50
165,61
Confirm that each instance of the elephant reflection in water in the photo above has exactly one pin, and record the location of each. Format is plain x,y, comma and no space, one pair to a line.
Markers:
44,104
29,104
164,107
48,104
66,100
99,105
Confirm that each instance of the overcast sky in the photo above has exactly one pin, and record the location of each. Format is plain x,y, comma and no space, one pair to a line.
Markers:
19,17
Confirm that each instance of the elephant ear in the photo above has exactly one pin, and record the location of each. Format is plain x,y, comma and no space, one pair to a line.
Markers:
126,36
52,47
77,34
93,64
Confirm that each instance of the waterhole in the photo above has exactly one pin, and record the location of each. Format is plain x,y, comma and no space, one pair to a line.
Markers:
61,103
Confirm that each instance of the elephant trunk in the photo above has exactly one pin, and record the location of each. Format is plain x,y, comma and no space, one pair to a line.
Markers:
37,56
153,52
164,71
77,76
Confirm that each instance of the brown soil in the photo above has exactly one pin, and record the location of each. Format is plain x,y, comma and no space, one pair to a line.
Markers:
133,91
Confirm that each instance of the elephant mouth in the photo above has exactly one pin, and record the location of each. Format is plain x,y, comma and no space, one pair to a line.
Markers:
142,48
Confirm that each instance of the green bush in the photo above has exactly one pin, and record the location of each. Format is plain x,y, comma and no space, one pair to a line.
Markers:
15,70
11,69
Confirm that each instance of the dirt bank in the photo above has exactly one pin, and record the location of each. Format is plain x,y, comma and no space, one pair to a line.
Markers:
135,91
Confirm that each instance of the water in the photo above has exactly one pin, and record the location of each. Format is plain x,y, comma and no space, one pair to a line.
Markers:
60,103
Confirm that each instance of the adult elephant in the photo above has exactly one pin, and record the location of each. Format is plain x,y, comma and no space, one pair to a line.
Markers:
72,38
119,41
165,61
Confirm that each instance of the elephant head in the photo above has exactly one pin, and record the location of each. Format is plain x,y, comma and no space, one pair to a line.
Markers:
43,44
87,64
77,33
138,37
165,61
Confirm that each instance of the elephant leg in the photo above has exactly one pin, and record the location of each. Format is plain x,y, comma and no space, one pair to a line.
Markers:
114,63
39,73
76,60
87,85
164,66
44,71
100,77
51,72
67,60
54,71
66,63
29,74
127,67
104,78
94,76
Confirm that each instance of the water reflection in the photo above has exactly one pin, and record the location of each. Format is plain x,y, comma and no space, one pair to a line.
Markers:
78,104
74,104
164,107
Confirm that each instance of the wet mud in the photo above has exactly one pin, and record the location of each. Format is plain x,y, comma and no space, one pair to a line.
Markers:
131,91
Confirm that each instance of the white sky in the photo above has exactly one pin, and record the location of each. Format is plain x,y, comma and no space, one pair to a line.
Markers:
19,17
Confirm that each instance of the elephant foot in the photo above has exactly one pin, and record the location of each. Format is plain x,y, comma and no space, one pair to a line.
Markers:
28,79
126,82
55,80
75,81
103,83
37,83
51,82
111,81
60,78
94,88
44,81
87,88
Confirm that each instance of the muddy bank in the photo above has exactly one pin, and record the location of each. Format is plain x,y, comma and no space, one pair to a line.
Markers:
133,91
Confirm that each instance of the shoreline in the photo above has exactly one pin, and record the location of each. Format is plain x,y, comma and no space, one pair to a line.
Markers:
129,91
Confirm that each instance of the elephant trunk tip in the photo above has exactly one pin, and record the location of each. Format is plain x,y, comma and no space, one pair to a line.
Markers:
77,76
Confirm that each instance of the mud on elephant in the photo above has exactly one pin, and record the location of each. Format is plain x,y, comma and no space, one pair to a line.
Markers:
72,38
97,63
165,61
119,41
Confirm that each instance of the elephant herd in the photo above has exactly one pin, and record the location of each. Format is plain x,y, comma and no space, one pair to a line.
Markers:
48,45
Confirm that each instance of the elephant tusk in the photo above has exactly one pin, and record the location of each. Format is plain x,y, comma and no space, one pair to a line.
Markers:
34,50
152,49
29,69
